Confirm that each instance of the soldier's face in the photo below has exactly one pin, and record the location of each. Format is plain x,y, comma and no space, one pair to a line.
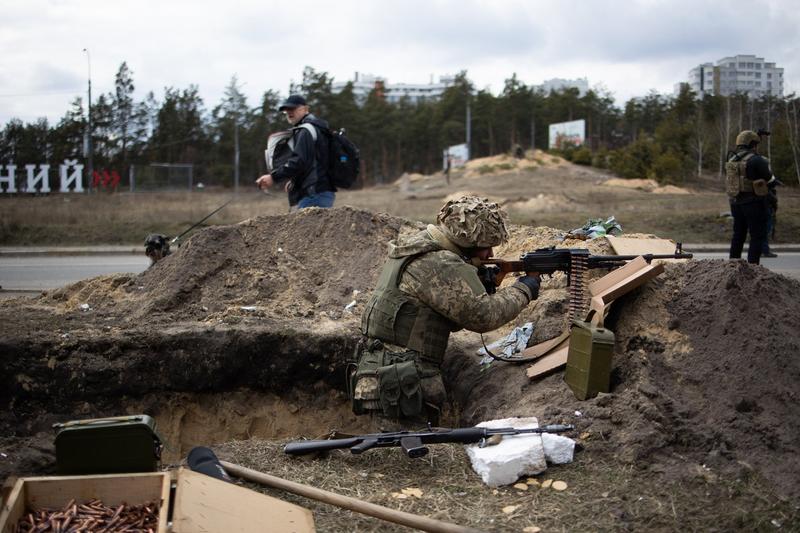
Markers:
482,253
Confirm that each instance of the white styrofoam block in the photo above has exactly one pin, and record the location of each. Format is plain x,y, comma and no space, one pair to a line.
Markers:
558,450
515,456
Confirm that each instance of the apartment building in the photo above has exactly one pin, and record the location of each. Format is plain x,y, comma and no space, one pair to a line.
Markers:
737,74
363,84
559,84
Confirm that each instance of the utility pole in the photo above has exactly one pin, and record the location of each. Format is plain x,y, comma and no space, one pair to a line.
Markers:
236,153
89,149
469,128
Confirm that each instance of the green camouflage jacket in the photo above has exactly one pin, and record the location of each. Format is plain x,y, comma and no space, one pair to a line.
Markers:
443,280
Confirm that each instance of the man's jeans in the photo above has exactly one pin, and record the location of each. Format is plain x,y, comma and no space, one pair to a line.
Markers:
321,199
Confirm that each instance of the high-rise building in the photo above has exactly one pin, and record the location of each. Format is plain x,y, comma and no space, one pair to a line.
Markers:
363,84
559,84
737,74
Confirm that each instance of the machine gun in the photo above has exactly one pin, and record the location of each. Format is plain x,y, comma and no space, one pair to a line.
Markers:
572,261
413,442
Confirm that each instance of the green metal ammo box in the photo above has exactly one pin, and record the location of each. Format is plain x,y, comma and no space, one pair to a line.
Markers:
589,359
112,445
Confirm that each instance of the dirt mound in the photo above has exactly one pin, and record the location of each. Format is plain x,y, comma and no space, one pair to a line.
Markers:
505,163
307,265
647,185
704,381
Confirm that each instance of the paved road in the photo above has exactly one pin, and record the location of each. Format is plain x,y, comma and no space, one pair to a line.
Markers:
30,273
787,263
33,273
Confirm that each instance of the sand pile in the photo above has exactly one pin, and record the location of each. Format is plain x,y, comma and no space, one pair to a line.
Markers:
646,185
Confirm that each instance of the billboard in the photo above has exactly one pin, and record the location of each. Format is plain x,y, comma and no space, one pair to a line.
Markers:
573,132
458,154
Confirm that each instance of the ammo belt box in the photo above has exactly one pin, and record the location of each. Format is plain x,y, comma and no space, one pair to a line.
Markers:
107,446
589,359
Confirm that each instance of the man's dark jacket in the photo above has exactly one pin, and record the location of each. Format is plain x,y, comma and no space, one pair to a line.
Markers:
306,178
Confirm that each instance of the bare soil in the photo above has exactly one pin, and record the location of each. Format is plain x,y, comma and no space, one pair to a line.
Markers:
240,340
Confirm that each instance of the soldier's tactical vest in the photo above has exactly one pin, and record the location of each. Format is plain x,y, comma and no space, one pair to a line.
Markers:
406,344
736,180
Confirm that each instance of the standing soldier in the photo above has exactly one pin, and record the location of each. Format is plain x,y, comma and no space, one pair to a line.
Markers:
429,287
747,174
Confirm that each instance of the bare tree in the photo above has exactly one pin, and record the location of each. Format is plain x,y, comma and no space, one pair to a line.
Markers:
700,139
791,125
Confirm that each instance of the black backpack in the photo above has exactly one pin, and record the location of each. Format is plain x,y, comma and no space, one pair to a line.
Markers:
345,159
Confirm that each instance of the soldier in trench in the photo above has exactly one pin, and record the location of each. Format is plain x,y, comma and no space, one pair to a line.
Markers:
429,288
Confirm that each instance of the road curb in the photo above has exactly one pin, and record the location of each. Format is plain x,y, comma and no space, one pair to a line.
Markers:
725,248
19,251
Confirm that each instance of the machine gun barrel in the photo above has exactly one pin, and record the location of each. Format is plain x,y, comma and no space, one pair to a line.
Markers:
547,261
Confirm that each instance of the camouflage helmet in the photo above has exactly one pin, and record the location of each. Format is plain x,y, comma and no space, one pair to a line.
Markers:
746,137
473,222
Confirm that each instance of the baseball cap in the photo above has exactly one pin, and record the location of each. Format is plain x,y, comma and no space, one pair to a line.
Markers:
293,101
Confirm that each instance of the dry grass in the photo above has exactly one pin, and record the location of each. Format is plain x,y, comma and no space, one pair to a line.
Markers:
126,218
602,495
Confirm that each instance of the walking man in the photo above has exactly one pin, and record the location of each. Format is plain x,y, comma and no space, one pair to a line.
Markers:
305,172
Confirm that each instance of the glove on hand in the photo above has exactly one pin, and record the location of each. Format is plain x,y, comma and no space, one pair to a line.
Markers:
532,282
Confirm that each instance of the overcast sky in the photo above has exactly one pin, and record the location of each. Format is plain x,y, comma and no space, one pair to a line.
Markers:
628,47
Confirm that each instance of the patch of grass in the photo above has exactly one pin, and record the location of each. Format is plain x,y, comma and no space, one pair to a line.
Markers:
603,493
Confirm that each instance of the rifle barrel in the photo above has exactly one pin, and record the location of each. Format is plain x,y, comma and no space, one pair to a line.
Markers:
173,241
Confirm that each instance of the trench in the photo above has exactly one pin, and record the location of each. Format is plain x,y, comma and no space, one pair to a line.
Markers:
202,386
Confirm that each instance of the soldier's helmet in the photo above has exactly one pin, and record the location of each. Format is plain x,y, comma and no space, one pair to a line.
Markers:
473,222
746,137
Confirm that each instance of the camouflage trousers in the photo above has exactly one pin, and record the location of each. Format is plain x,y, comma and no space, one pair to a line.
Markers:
397,383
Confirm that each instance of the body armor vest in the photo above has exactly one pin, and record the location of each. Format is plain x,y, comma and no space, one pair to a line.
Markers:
392,317
736,180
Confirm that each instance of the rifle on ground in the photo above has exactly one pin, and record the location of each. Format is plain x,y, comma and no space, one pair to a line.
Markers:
176,239
413,442
573,261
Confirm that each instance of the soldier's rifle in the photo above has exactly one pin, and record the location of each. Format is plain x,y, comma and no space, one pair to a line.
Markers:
547,261
413,442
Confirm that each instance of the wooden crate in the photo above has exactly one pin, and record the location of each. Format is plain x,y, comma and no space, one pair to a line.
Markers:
36,493
198,503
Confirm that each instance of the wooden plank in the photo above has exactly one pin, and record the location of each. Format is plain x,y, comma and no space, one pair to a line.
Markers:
635,279
203,503
13,508
543,348
633,246
617,275
549,362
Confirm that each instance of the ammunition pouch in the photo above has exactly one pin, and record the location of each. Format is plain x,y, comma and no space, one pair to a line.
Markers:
390,382
760,188
400,391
